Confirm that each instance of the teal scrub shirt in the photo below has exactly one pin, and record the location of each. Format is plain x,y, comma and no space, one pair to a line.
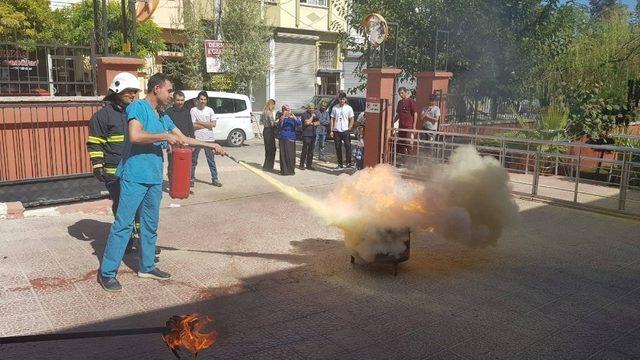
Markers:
142,163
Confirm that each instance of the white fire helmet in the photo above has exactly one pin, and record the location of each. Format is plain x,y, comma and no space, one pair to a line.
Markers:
124,80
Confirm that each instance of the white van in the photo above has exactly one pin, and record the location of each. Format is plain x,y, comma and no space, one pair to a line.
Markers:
232,115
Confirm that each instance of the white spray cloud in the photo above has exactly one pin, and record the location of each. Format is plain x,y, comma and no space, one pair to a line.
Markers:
471,199
467,201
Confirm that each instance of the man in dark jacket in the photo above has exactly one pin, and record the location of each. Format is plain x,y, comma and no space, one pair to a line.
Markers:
310,119
106,137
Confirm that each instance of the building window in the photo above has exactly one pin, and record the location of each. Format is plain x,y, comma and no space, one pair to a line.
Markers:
327,56
314,2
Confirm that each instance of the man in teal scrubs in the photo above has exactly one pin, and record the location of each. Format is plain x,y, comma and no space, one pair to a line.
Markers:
140,173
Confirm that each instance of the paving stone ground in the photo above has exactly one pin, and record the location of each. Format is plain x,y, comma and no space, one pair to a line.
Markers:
562,284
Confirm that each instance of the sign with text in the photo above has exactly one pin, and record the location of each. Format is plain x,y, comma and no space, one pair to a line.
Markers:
213,54
373,107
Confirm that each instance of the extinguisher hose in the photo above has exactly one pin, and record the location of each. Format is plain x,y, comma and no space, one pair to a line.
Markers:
227,155
232,158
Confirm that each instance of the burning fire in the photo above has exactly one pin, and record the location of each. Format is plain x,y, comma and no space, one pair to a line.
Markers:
184,332
467,201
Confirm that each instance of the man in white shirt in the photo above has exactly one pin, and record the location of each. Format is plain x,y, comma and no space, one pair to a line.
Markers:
341,125
430,117
203,123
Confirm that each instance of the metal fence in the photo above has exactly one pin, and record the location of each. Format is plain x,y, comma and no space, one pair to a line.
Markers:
46,70
595,176
461,108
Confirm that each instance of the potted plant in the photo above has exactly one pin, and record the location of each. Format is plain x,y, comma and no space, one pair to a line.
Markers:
592,117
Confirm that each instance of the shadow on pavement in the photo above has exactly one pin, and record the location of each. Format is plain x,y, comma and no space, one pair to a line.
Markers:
311,311
97,233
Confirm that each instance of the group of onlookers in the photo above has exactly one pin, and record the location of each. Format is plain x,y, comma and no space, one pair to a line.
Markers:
315,126
312,129
407,117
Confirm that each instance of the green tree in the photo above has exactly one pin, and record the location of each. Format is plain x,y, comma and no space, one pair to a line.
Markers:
79,29
246,53
487,39
246,36
604,50
188,72
28,20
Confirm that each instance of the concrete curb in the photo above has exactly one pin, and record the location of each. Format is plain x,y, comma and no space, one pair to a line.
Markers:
11,210
15,210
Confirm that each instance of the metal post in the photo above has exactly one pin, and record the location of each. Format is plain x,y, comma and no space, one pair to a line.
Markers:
93,69
134,27
96,22
217,11
395,147
575,191
395,56
536,174
624,180
418,149
503,154
526,165
125,20
52,89
557,159
105,33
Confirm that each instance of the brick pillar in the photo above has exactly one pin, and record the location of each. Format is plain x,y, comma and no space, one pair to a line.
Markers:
429,83
379,86
108,67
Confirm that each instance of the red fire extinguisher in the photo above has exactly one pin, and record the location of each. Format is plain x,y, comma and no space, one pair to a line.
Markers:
180,178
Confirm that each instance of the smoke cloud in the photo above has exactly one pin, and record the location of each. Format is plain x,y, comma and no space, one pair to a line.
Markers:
467,201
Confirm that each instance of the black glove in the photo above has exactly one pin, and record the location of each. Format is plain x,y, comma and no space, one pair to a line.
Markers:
99,174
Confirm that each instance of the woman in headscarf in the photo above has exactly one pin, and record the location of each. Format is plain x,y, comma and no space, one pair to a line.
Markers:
268,120
288,123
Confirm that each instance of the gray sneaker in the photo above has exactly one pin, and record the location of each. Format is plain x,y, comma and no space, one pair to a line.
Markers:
215,182
155,274
109,284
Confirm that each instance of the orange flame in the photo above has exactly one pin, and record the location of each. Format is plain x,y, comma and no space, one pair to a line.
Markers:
184,332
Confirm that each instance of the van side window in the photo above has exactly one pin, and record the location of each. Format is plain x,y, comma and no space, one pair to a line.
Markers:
239,105
221,105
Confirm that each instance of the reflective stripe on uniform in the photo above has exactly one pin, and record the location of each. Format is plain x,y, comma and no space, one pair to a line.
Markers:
96,154
95,166
110,171
96,140
115,138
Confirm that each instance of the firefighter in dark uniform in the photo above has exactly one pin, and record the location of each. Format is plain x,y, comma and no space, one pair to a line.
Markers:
106,138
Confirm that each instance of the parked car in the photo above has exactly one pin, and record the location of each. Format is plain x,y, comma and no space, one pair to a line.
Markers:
232,115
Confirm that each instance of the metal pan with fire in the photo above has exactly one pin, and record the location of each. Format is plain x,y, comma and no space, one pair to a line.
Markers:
386,256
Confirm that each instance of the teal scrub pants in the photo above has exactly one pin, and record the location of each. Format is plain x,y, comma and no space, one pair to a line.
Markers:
133,195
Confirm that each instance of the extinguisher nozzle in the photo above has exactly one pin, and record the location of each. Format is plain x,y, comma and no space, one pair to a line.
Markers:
232,158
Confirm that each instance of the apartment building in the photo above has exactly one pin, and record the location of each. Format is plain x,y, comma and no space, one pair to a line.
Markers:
305,56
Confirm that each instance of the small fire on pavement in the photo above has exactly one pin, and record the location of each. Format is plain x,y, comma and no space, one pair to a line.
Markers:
183,332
